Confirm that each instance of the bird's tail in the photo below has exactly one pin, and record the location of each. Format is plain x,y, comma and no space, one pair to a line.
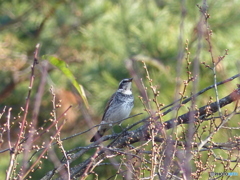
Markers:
97,136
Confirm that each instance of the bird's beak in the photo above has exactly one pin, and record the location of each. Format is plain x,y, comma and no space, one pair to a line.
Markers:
130,79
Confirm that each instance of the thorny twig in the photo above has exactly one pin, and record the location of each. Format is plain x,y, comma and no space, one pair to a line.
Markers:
15,149
199,93
58,138
12,158
33,123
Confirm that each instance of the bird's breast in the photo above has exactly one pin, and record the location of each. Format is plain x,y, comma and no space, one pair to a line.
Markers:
120,108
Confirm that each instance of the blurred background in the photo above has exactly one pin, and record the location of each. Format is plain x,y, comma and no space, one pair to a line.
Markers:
104,41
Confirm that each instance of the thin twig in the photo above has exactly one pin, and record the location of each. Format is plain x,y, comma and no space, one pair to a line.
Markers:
44,151
77,134
85,173
47,129
23,123
12,155
21,133
36,108
199,93
59,142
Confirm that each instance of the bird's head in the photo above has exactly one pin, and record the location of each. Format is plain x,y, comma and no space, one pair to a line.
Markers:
125,86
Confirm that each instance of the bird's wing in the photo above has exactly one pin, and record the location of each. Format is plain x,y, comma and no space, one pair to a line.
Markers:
108,105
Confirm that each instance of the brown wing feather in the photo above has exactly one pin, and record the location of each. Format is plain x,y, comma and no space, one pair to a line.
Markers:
107,106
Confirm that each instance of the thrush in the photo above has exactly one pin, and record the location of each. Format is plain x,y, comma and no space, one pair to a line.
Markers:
118,108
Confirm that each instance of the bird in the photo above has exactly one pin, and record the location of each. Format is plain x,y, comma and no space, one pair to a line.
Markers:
118,108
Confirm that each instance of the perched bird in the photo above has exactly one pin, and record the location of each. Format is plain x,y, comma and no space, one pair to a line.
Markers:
118,108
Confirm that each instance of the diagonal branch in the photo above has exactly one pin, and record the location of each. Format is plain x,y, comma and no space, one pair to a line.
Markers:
142,133
205,111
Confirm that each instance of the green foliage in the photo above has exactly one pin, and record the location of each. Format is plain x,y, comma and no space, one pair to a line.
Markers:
96,38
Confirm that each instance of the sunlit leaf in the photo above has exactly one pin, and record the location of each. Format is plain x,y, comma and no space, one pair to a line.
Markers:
60,64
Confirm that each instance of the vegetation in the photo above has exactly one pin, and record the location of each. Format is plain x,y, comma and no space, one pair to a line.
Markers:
62,60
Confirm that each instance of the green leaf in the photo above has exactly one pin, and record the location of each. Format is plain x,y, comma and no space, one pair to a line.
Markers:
60,64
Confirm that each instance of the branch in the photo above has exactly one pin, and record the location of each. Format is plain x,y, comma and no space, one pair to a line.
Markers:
199,93
204,111
142,133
